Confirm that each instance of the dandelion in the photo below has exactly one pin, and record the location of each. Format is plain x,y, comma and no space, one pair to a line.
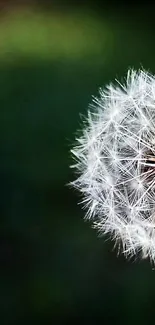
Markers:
114,159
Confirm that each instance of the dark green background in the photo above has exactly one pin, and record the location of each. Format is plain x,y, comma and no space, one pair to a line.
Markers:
53,267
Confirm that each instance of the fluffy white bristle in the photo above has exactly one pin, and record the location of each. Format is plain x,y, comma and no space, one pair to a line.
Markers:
115,176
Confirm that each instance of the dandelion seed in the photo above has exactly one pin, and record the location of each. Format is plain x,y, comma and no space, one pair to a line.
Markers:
115,162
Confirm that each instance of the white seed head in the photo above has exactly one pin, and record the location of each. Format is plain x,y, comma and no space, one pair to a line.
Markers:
114,161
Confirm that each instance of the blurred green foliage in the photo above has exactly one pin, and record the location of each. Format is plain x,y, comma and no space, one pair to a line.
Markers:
53,267
53,35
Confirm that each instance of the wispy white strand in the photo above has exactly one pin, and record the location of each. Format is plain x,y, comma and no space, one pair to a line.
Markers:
115,174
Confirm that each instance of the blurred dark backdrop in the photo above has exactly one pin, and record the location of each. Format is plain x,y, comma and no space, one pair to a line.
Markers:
54,55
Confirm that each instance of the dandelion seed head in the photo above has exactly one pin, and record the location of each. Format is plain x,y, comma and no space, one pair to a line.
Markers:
115,165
